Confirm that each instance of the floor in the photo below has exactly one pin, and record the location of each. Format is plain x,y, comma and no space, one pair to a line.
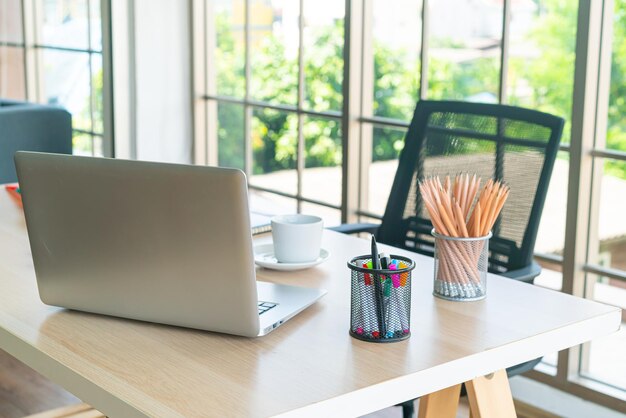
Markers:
24,391
396,412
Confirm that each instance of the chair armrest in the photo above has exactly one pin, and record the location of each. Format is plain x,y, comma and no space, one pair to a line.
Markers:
526,274
356,228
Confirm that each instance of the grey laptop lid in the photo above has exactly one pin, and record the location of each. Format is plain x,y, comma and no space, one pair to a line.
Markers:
158,242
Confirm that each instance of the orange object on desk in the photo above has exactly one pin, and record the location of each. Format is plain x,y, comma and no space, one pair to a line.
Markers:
14,191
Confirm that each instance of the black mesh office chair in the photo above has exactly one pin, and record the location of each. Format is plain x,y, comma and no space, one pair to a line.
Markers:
516,145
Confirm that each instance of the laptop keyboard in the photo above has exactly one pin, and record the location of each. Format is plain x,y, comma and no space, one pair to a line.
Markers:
266,306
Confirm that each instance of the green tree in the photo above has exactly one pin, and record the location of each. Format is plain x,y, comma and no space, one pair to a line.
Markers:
544,83
84,143
229,62
616,134
550,76
274,80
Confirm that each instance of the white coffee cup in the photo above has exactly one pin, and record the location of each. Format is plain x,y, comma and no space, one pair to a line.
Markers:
297,238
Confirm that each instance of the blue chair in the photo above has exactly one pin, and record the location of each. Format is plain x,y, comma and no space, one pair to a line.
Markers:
31,127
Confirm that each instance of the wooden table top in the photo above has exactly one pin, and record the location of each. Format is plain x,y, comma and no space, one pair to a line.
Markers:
307,367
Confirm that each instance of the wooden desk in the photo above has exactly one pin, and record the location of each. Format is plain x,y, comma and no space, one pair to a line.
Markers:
308,367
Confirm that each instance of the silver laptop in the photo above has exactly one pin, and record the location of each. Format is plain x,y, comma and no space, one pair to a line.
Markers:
156,242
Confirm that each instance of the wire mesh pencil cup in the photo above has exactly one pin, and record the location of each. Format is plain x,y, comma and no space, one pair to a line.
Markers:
461,267
380,305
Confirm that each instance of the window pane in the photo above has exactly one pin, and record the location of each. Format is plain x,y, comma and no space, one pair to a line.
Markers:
323,54
96,89
98,147
386,146
12,83
95,25
331,217
551,359
11,21
551,234
230,135
229,55
82,144
616,135
541,57
65,23
67,83
274,148
608,243
548,364
397,34
274,51
551,276
271,204
603,358
321,179
464,50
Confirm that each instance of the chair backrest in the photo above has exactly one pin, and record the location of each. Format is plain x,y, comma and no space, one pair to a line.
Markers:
516,145
31,127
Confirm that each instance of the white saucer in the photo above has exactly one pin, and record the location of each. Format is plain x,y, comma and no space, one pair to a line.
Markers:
264,257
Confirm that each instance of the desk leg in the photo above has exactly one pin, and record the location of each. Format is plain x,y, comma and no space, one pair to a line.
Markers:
441,404
490,396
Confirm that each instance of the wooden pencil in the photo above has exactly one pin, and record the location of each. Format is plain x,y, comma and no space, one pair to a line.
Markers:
457,209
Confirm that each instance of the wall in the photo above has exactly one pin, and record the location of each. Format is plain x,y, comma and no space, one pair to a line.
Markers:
152,83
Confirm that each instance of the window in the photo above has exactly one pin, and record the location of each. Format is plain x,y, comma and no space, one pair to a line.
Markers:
277,98
51,51
274,97
605,278
12,73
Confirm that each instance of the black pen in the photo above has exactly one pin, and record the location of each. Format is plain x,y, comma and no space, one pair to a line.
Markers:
375,258
378,290
385,260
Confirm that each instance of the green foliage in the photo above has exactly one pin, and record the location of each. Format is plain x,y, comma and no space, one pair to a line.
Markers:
451,81
230,135
322,139
98,102
543,81
83,143
229,60
387,142
395,93
274,74
616,134
274,79
274,140
323,70
550,76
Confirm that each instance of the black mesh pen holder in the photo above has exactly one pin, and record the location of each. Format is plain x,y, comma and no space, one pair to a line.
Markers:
380,305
